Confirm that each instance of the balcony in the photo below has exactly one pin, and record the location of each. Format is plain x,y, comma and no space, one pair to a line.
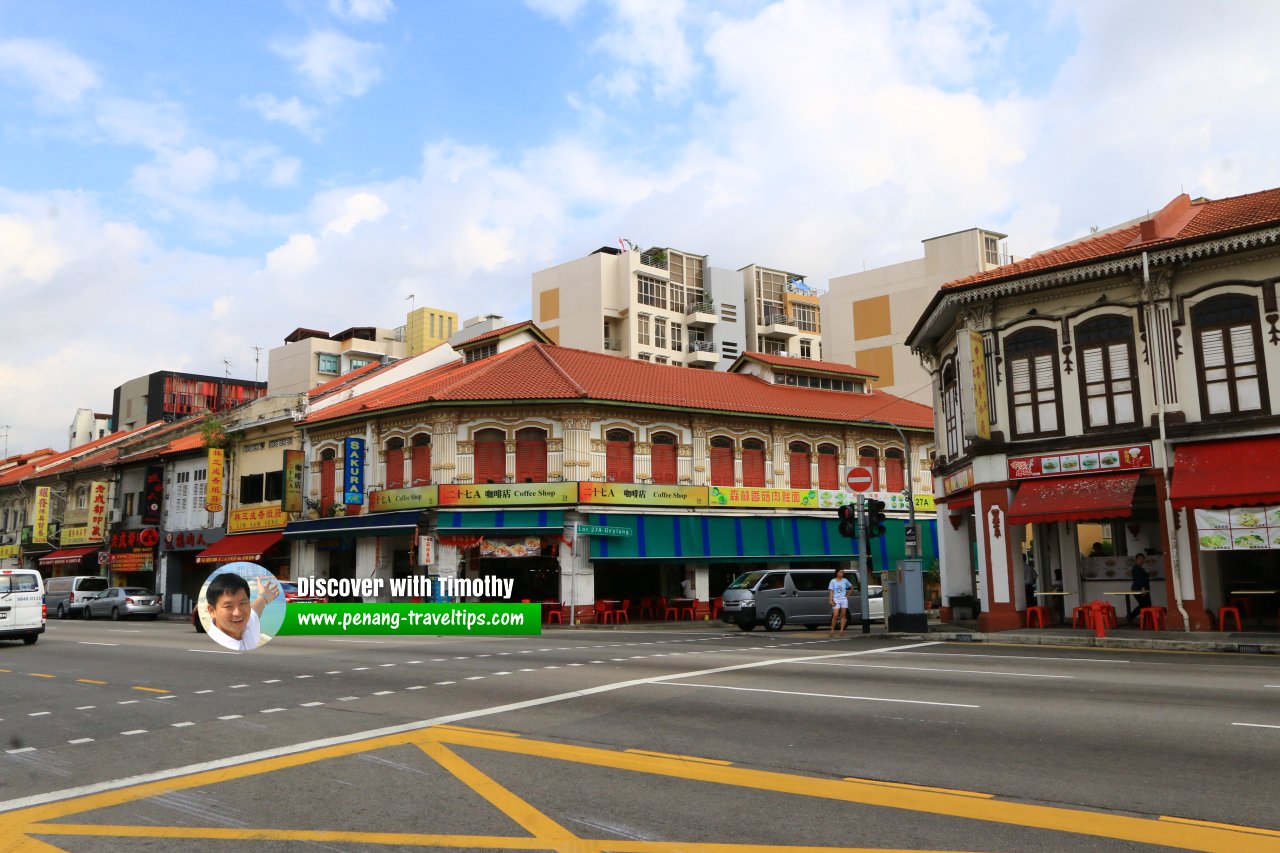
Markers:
778,325
701,314
656,258
612,345
701,354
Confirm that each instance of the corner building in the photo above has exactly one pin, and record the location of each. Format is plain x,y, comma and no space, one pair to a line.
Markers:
500,451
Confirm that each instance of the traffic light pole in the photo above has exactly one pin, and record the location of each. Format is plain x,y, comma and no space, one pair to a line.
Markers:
864,566
912,544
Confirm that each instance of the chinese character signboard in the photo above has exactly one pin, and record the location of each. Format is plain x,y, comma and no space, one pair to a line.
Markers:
97,511
353,471
971,370
1087,462
213,486
134,550
293,461
522,494
417,497
152,494
639,494
266,518
40,520
78,535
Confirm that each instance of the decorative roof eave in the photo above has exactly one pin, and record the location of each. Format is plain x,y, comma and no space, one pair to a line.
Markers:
945,303
364,415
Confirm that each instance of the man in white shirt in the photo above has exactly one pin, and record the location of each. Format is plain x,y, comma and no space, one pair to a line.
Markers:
838,598
235,623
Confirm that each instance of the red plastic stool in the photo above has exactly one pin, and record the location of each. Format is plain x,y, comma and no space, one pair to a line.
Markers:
1242,602
1223,613
1041,614
1081,614
1151,618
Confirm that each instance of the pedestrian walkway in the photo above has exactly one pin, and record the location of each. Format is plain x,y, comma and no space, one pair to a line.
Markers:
1117,638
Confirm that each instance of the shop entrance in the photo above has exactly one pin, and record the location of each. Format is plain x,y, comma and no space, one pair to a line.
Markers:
535,578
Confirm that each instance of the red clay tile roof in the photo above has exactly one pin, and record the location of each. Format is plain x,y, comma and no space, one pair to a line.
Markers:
496,334
537,371
805,364
91,454
1211,218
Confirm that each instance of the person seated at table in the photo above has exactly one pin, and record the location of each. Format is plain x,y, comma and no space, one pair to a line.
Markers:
1140,581
686,588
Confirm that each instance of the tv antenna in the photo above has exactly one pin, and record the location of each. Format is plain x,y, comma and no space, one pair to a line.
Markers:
5,427
226,367
257,354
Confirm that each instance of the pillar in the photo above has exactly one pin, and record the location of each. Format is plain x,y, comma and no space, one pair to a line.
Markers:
997,561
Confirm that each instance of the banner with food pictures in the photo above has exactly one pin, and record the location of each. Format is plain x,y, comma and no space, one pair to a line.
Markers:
1242,529
518,546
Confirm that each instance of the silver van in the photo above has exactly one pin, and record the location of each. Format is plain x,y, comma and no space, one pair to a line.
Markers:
783,596
66,596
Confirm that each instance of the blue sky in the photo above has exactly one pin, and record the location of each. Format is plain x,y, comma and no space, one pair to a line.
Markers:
180,182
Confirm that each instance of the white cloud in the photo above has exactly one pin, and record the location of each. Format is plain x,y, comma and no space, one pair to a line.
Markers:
295,257
560,10
375,11
185,173
290,111
358,207
335,65
649,40
284,172
50,68
155,125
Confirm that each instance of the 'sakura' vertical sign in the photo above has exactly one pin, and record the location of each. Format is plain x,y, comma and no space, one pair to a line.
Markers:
353,479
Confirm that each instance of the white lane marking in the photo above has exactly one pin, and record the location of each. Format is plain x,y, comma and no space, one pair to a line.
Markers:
39,713
271,710
386,664
475,678
304,676
823,695
238,686
437,660
551,667
1271,685
504,672
1006,657
934,669
334,672
1256,725
359,668
128,702
86,707
85,643
292,749
527,670
181,725
230,717
348,698
442,683
484,656
202,692
169,696
271,681
597,661
384,693
212,652
413,661
81,740
577,664
134,732
311,704
416,687
23,749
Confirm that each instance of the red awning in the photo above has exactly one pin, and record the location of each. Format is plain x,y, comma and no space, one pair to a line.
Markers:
68,556
1074,499
246,546
956,503
1242,472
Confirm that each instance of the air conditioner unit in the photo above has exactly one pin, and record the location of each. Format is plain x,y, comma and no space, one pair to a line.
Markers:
113,517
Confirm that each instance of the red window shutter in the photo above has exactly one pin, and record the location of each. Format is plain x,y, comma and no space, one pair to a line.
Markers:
893,479
395,468
421,474
664,464
531,461
722,466
828,471
753,468
872,464
800,478
328,473
491,461
619,461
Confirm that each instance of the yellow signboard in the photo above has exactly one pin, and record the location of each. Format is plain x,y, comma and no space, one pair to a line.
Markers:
7,551
97,511
751,496
418,497
293,464
40,520
213,485
266,518
640,494
509,494
77,536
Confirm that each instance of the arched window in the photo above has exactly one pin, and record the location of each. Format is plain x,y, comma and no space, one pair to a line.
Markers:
1108,370
828,466
328,479
798,462
753,463
951,410
869,458
531,455
491,456
620,454
894,479
722,461
1034,398
395,463
1228,343
82,497
663,453
420,465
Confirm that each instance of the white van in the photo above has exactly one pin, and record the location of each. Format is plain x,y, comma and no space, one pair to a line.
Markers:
22,611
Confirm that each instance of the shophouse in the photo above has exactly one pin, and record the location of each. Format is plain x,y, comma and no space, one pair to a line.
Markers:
582,476
1114,396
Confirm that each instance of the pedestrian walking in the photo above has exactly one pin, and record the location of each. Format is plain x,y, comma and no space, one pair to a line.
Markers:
838,598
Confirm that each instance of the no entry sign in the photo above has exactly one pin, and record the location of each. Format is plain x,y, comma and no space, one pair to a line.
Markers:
858,479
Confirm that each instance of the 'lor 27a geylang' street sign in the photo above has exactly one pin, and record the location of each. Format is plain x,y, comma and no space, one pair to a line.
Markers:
601,530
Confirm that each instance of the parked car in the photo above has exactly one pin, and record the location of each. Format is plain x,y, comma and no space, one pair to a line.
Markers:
65,596
121,602
290,590
22,611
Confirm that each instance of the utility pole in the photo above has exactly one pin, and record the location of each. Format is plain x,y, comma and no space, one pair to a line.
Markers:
257,354
5,427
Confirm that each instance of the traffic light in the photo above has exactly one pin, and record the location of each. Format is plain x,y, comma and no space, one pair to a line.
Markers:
875,518
848,521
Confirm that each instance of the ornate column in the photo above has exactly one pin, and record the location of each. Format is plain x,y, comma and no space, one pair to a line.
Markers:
684,465
737,463
1160,343
576,429
699,459
644,462
466,462
509,464
777,466
598,467
444,449
555,459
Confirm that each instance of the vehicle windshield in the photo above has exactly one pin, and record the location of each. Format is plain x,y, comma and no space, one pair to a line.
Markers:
136,590
286,586
93,584
746,581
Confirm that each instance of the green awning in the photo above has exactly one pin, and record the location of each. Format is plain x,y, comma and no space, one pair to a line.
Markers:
500,521
892,547
718,537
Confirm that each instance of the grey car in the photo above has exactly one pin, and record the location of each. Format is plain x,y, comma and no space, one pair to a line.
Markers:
120,602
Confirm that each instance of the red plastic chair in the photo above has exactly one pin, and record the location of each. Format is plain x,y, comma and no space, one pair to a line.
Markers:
717,606
1223,613
1081,614
620,614
646,609
604,613
669,611
555,613
1151,619
1040,614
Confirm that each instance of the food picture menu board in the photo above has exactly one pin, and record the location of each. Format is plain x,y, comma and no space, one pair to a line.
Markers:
1087,462
1243,529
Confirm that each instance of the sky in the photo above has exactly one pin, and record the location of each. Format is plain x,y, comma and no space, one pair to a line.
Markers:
183,182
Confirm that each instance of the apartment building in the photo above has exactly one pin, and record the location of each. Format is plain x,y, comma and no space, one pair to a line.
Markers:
426,328
310,357
869,314
669,306
168,396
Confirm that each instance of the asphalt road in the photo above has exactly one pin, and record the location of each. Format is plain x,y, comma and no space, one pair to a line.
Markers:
631,739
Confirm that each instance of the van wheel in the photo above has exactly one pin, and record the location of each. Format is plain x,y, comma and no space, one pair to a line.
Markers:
115,614
31,640
774,620
747,626
62,612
